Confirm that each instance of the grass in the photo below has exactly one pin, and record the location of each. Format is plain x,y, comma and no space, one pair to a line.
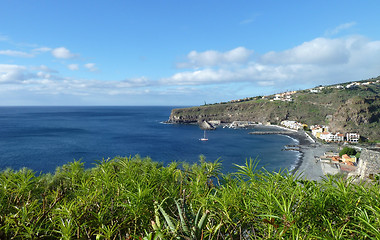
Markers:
137,198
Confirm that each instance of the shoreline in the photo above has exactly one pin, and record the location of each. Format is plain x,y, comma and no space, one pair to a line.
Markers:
306,165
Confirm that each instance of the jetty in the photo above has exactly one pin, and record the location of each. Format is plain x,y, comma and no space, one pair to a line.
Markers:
205,125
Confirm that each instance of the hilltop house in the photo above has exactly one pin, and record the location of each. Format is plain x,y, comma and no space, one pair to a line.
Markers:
316,89
285,97
354,84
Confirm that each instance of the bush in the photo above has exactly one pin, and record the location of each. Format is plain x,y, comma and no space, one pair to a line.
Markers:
347,150
136,198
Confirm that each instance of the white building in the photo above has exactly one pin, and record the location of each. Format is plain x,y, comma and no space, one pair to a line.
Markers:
292,124
352,137
315,90
331,137
339,137
317,130
354,84
277,97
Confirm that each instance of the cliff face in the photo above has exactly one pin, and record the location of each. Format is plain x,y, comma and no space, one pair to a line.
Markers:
252,111
344,110
358,114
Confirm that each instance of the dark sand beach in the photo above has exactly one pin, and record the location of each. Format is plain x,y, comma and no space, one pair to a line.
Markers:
307,166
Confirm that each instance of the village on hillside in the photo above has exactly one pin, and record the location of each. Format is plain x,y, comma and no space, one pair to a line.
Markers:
332,162
287,96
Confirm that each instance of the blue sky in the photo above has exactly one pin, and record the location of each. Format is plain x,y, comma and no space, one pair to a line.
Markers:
180,52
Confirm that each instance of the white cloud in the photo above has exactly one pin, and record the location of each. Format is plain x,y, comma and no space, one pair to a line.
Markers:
340,28
321,51
247,21
44,68
63,53
201,77
250,19
44,75
214,58
321,60
13,53
135,82
73,67
42,49
252,72
91,67
12,73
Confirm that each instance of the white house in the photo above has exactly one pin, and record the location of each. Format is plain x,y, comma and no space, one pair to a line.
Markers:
292,124
331,137
352,137
316,131
277,97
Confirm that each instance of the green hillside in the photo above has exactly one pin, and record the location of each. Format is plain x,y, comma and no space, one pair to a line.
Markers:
355,109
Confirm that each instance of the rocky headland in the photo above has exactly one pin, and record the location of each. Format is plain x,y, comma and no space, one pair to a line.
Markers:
346,107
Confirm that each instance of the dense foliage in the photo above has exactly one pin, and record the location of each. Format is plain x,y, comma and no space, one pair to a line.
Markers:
136,198
347,150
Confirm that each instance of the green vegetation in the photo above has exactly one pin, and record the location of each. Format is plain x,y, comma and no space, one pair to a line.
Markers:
347,150
136,198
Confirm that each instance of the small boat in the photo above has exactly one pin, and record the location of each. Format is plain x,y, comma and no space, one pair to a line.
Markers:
204,136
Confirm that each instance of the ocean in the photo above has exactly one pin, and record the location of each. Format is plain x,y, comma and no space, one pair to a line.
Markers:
42,138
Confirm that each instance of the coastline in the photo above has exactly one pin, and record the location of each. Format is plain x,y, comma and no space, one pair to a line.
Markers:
306,167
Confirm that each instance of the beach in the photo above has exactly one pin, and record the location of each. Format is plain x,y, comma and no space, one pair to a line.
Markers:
307,167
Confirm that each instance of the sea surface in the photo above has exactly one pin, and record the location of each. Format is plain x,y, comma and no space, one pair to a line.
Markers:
42,138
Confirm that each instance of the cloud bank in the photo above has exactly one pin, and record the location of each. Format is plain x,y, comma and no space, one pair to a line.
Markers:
12,53
211,58
318,61
322,59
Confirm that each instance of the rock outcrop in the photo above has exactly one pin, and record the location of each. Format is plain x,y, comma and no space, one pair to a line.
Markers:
369,163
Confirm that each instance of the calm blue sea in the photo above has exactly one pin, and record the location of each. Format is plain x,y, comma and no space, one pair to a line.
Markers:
42,138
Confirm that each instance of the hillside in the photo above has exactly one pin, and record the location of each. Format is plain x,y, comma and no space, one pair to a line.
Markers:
346,107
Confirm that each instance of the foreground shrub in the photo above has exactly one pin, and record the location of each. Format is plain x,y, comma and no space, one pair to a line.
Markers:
136,198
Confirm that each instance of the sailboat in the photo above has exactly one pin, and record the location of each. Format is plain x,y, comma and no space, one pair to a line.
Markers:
204,136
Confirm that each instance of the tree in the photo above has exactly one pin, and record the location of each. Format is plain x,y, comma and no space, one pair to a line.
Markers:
347,150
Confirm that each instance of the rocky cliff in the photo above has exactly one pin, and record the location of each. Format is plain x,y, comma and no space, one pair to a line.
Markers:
355,109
